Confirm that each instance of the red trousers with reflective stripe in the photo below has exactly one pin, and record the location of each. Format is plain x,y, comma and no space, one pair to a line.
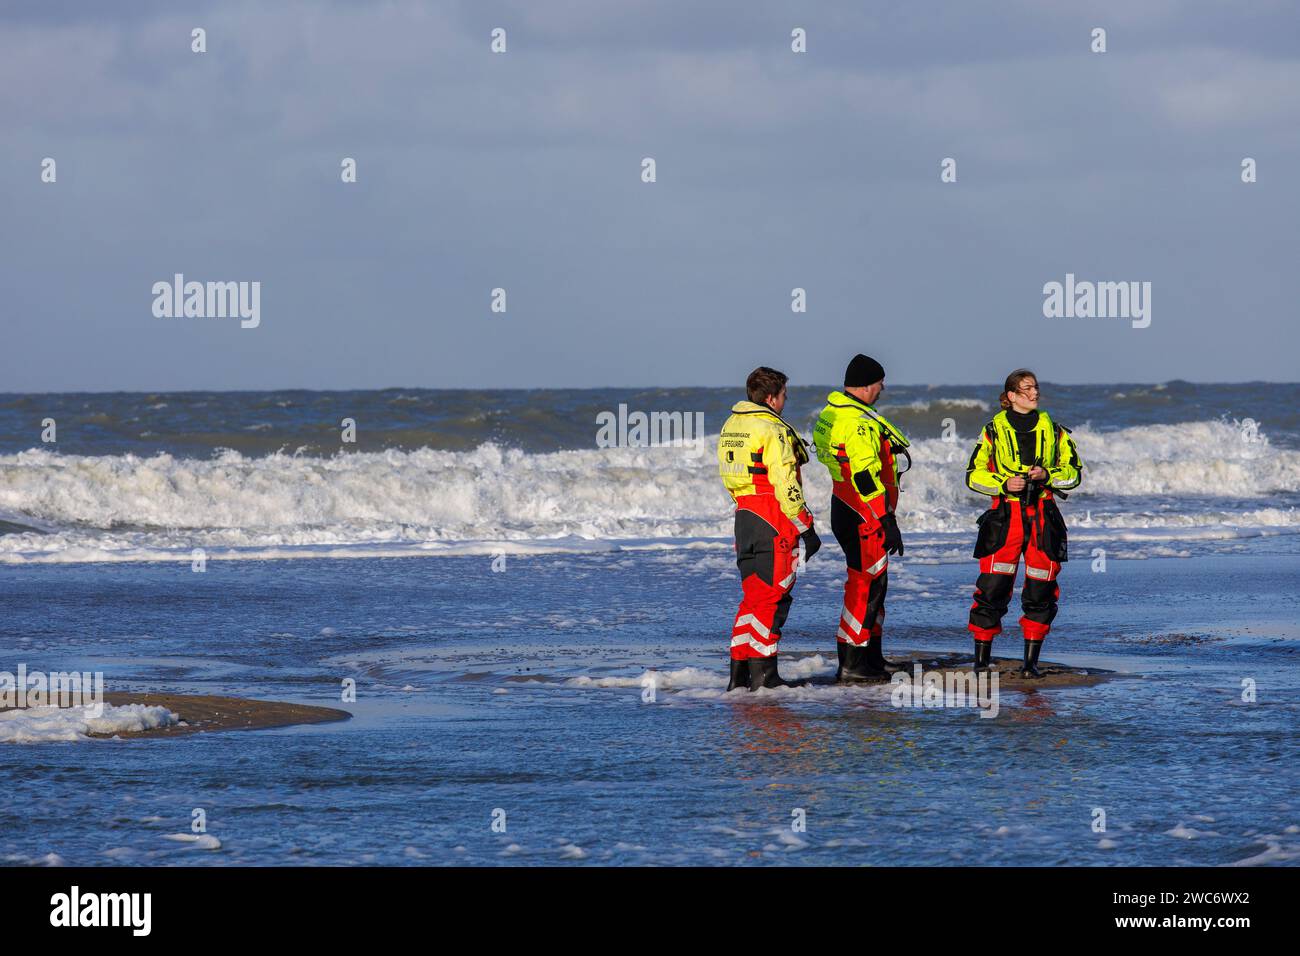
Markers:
862,539
766,549
998,578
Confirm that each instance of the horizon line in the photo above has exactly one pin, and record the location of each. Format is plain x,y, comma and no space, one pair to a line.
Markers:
595,388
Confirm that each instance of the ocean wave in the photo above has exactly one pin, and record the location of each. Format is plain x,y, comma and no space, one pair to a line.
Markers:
930,404
1186,478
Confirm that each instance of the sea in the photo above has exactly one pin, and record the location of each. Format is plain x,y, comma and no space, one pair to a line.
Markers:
531,598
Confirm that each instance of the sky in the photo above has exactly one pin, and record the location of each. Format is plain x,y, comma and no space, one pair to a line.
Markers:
522,170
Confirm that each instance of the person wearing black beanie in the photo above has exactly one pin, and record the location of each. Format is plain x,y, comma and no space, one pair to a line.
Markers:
863,371
860,448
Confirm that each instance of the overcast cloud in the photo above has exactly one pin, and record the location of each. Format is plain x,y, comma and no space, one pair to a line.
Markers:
522,170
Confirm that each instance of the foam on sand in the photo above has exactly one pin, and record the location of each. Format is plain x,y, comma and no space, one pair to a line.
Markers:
33,725
156,715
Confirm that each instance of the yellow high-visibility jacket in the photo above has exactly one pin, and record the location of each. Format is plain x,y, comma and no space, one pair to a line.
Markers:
997,456
760,454
859,447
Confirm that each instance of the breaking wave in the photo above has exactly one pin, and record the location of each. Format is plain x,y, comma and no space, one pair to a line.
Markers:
1186,478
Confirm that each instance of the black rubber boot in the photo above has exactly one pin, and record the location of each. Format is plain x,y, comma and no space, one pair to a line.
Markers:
876,659
983,654
1031,659
762,673
739,675
857,667
839,651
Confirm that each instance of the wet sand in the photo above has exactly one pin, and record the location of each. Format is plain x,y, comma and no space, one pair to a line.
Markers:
201,714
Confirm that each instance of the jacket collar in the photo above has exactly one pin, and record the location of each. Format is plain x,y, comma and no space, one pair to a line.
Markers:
747,407
844,400
753,408
1041,422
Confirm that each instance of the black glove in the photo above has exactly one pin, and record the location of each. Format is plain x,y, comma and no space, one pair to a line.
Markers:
893,539
811,543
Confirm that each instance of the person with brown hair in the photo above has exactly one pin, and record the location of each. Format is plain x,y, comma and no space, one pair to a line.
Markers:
1023,461
759,459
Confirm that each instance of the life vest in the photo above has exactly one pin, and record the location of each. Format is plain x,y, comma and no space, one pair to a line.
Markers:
860,448
998,456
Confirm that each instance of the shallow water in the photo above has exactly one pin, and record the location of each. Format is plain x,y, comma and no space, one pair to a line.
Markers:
522,691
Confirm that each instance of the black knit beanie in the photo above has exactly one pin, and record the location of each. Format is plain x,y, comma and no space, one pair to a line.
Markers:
863,371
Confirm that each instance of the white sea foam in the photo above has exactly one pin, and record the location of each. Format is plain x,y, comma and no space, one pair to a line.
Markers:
925,405
201,841
662,680
1274,852
1184,832
1197,479
695,678
47,724
693,683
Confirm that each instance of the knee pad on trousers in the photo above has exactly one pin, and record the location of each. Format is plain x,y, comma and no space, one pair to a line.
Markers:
1038,600
992,598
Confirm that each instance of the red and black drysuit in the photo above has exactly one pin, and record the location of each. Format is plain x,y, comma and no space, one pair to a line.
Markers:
1027,523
